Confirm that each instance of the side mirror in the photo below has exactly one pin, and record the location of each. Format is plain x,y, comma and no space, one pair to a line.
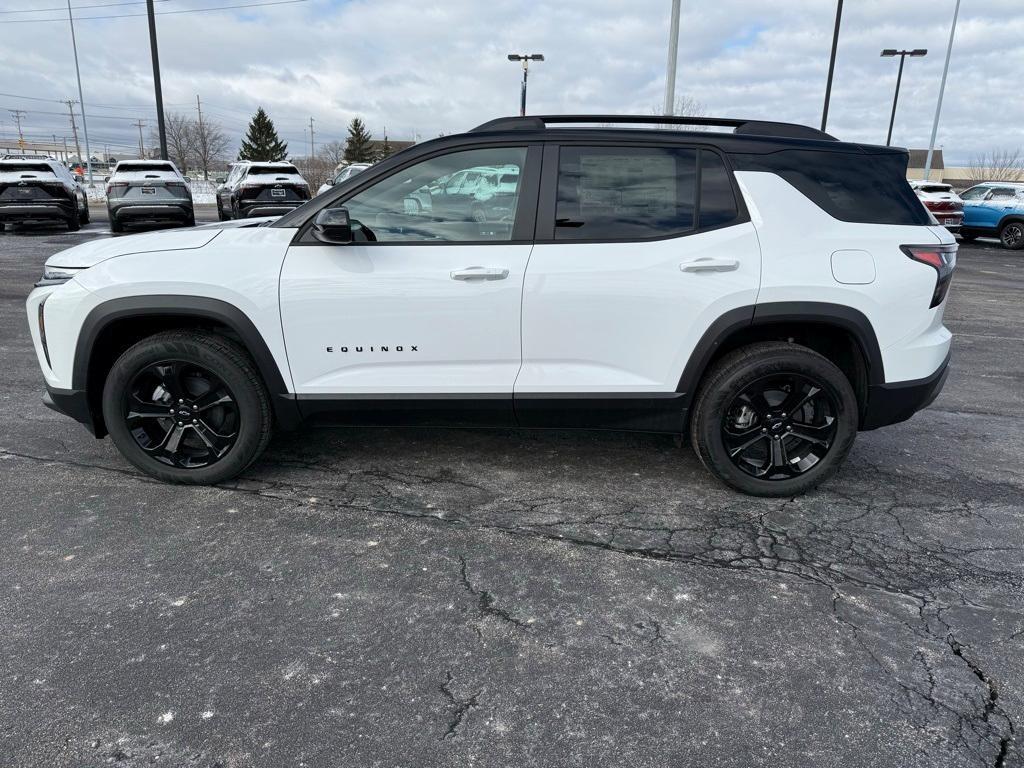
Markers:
332,226
106,179
187,179
329,182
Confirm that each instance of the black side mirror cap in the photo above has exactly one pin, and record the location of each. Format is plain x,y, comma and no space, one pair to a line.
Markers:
333,226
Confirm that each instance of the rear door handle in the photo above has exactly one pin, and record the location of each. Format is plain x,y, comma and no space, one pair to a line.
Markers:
708,264
479,273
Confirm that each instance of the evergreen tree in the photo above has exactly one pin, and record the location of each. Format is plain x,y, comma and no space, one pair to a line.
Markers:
385,150
358,145
261,142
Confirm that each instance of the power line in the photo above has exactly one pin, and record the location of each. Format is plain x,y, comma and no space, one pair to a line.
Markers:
77,7
162,13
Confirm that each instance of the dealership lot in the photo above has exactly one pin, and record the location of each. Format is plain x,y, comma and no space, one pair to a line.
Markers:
424,597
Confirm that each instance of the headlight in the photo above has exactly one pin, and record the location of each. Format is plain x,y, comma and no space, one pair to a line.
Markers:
57,275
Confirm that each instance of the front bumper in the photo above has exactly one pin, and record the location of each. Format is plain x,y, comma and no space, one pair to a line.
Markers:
35,211
74,403
892,403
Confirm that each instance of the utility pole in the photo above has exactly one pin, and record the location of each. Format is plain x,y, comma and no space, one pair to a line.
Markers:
66,157
17,114
81,98
673,56
74,128
832,64
156,79
142,149
312,144
942,90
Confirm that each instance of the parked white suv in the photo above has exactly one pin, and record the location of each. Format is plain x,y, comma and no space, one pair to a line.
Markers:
769,291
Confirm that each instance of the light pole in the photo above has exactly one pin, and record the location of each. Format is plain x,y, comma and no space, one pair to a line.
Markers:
526,59
832,64
942,90
673,57
889,52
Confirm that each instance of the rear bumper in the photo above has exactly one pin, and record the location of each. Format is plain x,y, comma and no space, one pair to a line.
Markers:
74,403
151,211
35,211
893,403
252,208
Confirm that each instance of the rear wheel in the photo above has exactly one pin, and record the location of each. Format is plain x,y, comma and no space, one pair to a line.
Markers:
221,216
967,236
74,223
191,220
115,225
774,419
83,217
187,407
1011,235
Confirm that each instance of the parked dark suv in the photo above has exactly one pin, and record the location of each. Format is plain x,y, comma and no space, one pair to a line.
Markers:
40,190
261,189
148,191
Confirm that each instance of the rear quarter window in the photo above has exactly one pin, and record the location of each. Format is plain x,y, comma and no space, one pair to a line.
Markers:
850,186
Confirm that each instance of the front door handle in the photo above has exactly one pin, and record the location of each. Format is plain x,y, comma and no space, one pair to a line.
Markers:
479,273
708,264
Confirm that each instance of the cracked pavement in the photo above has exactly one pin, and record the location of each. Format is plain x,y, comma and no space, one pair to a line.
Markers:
450,597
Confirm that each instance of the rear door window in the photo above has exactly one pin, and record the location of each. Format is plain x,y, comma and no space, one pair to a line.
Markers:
616,193
717,199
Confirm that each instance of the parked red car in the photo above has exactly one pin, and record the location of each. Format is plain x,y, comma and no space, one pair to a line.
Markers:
945,205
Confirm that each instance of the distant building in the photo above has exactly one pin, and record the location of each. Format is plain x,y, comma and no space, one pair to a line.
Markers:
918,158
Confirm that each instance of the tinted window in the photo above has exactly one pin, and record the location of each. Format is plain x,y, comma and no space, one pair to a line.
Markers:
9,167
272,170
144,167
868,189
417,205
717,199
611,193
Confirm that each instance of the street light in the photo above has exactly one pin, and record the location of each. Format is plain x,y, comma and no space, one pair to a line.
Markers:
526,59
889,52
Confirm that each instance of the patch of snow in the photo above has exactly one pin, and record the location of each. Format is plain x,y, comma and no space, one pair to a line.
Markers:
165,718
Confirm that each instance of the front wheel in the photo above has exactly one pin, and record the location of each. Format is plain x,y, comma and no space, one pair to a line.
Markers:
774,419
187,407
1011,235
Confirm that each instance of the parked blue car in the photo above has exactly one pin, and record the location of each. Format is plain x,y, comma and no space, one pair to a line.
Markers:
995,209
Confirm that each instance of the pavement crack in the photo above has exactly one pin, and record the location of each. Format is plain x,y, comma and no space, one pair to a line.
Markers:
485,600
461,707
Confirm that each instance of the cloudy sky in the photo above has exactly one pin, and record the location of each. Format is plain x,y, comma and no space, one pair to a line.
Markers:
421,67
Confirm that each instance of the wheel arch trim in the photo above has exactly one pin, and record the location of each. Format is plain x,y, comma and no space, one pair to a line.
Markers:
199,307
739,319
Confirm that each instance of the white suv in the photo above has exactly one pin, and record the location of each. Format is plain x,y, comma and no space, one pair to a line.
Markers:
769,291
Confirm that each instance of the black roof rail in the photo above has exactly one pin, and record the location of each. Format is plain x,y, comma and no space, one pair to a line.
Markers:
741,127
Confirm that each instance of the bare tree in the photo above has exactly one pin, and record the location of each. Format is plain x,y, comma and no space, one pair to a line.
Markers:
685,106
178,128
333,152
997,165
208,144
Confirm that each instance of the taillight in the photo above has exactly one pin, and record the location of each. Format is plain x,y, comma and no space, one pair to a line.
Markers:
120,187
942,258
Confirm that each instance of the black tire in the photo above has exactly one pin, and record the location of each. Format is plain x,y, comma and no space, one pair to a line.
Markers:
1011,235
968,236
221,216
726,383
3,226
83,216
191,351
191,220
235,212
73,223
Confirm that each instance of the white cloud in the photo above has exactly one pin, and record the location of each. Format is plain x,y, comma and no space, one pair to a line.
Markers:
422,68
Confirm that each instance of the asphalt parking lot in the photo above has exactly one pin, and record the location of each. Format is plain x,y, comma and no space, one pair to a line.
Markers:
496,598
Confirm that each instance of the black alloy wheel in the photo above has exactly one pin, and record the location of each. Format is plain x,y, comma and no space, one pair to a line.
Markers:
780,426
774,419
181,414
187,406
